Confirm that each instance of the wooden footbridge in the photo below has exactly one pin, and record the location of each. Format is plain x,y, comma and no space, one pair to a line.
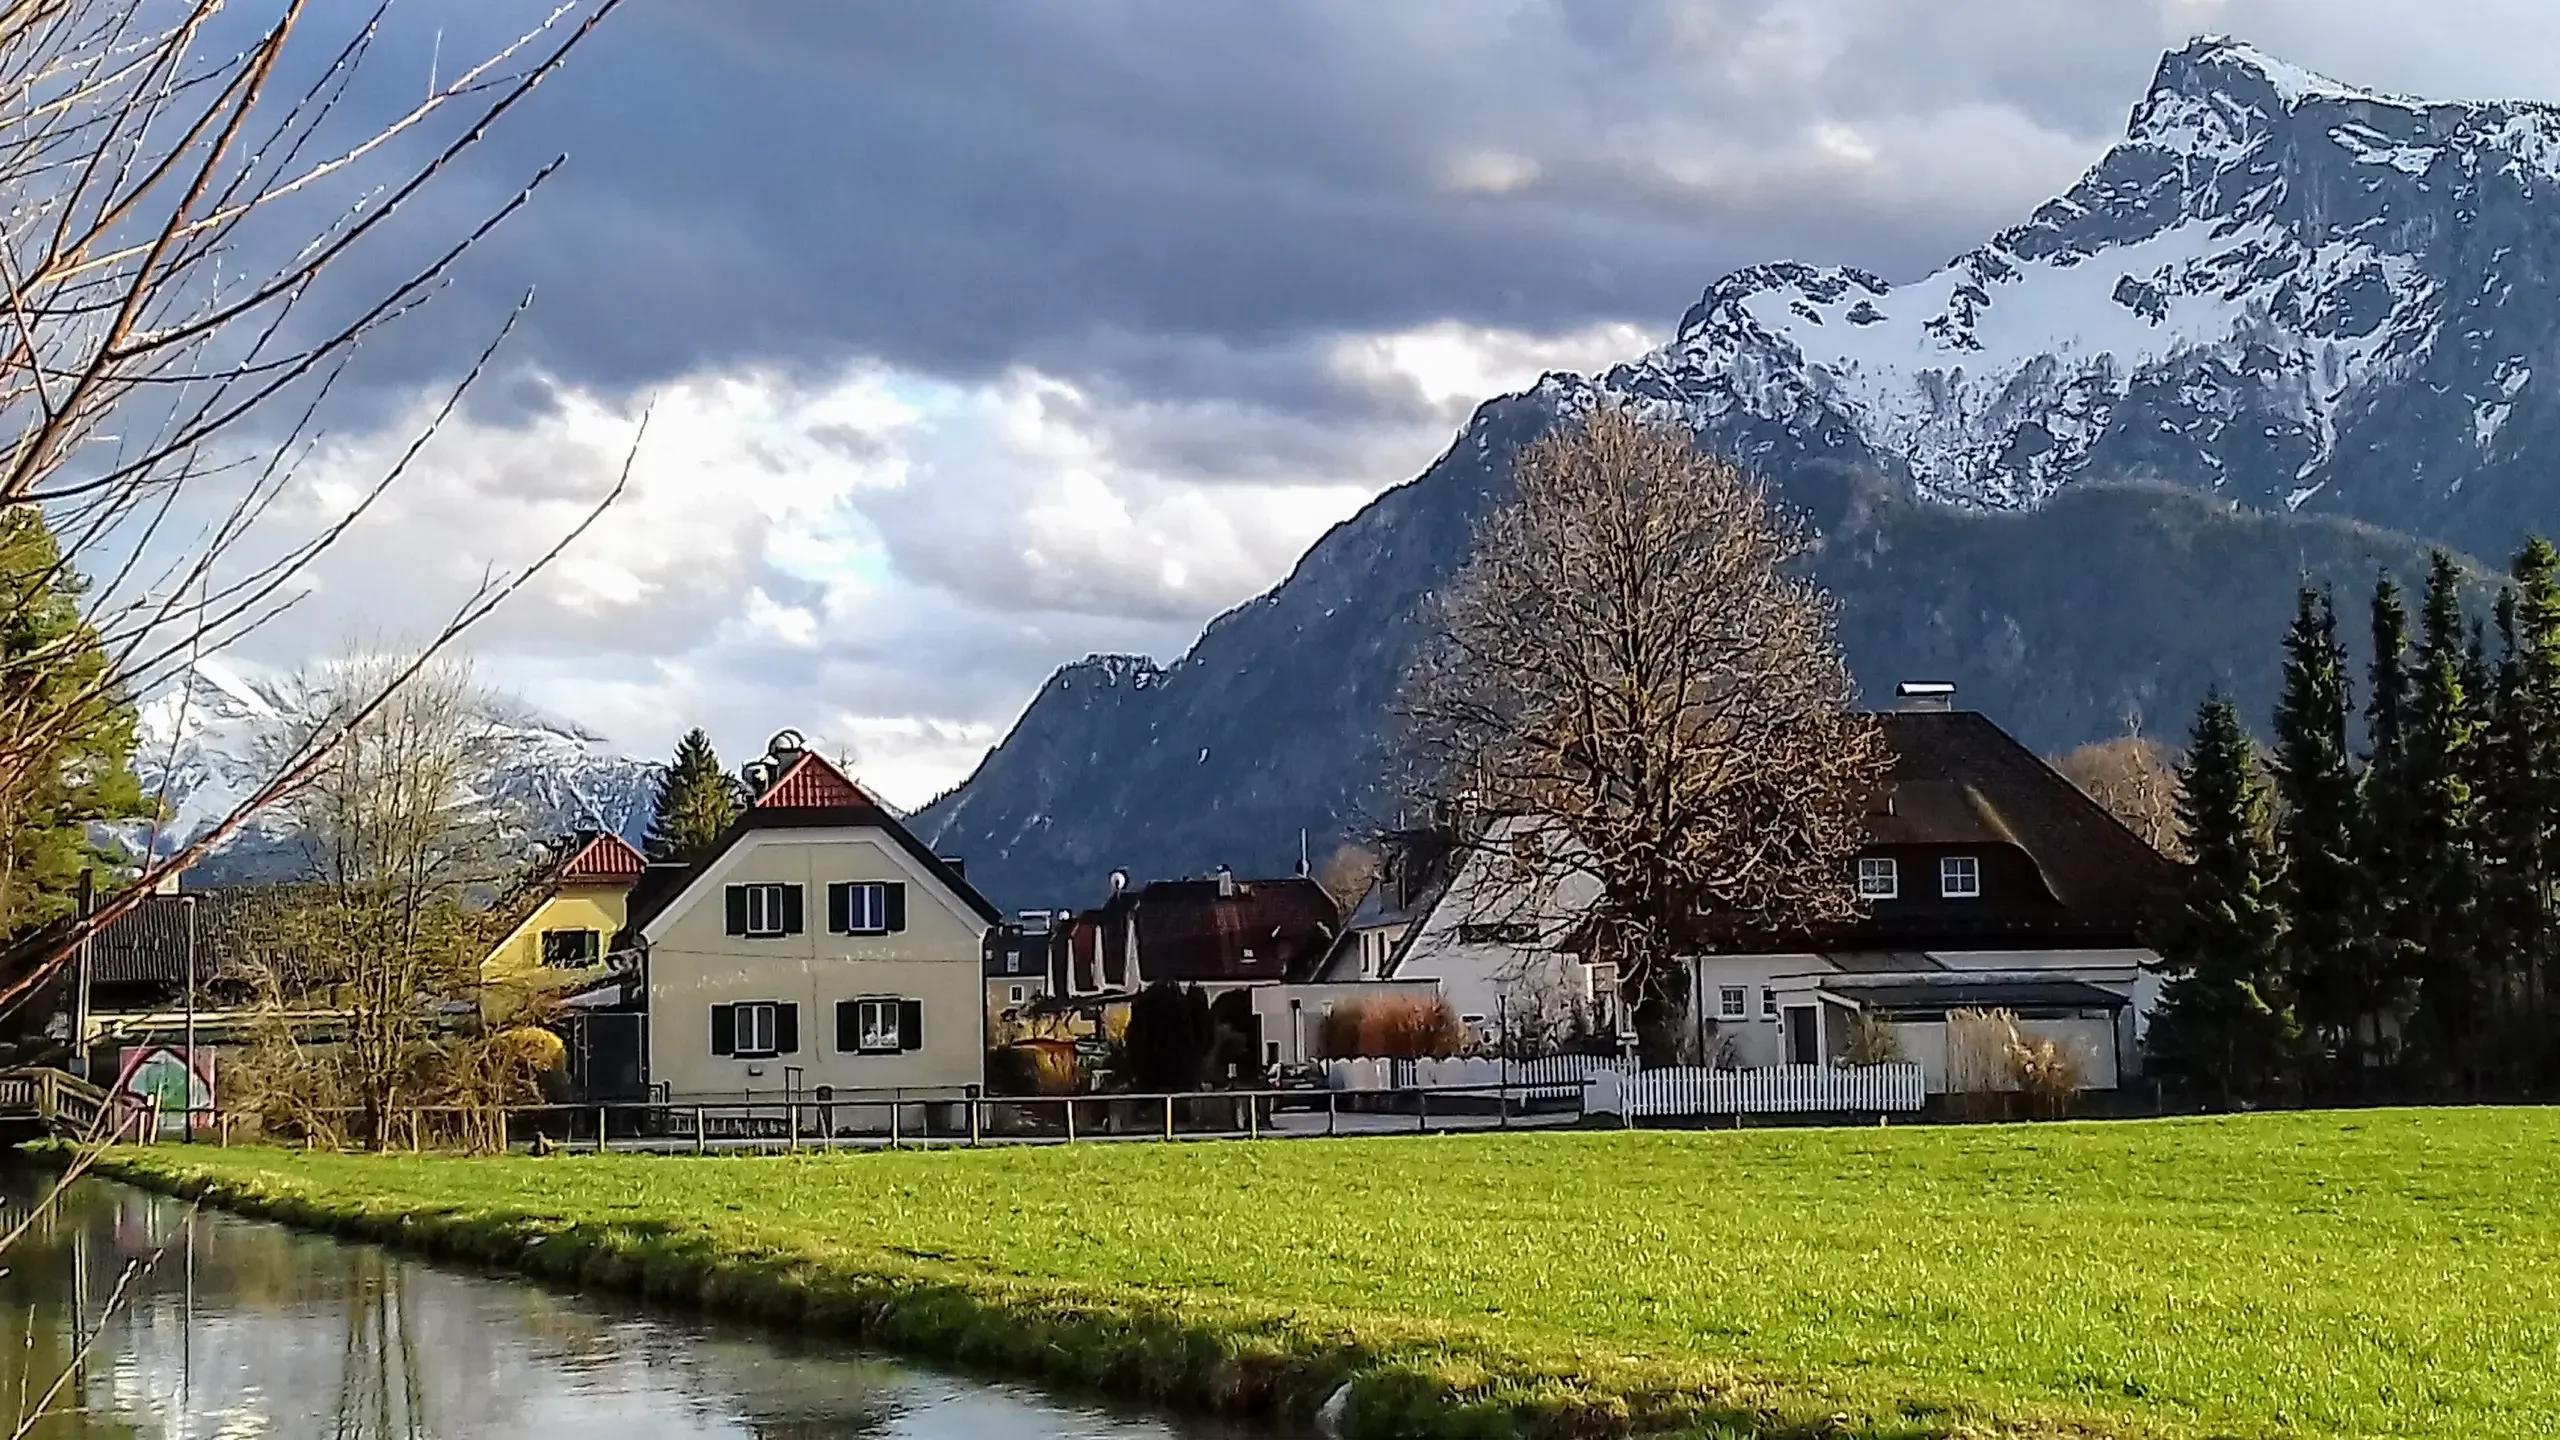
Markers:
37,1102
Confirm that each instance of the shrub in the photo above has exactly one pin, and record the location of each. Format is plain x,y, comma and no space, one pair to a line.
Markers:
1978,1046
1338,1032
2048,1073
1402,1028
1872,1040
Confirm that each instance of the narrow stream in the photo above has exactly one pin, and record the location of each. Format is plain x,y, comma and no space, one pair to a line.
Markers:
234,1329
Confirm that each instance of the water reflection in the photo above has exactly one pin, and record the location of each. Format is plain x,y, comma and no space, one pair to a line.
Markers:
231,1330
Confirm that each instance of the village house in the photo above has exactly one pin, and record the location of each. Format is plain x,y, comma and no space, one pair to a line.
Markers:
819,947
1987,881
1269,938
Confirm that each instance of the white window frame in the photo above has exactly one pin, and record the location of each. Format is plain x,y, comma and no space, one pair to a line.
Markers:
767,914
1768,1002
1014,995
745,1016
866,907
1960,877
1879,878
1733,1002
870,1012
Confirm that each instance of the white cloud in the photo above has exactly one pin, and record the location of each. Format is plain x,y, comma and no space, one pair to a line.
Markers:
889,562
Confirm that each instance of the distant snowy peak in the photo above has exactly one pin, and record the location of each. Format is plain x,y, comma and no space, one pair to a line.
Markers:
208,742
2227,298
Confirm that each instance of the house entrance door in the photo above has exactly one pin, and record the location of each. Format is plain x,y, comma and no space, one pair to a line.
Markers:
1803,1044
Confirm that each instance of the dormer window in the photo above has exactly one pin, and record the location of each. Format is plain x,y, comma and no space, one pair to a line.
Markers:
1960,877
1878,879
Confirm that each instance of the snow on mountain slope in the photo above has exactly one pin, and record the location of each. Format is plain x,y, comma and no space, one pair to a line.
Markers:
2322,302
2230,297
209,739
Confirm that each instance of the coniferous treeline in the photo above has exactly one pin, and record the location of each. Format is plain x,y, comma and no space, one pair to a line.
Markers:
2383,919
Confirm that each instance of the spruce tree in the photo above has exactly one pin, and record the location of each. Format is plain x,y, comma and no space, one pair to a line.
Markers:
70,724
2521,821
2316,833
2385,907
697,802
2443,876
2225,1021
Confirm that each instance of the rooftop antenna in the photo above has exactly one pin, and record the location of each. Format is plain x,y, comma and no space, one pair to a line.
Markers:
1302,852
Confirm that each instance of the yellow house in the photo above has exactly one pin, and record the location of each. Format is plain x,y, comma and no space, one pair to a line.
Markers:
818,950
568,920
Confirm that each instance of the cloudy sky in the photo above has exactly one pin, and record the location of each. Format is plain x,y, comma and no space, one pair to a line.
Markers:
979,335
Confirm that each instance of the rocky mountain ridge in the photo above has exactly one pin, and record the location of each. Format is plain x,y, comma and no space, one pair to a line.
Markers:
2284,328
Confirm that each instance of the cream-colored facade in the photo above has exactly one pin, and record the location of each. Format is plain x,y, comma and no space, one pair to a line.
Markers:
704,979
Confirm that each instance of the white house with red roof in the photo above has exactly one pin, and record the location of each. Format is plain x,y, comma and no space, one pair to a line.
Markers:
818,950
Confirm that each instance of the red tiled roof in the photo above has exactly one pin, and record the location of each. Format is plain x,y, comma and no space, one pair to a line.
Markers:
603,860
812,784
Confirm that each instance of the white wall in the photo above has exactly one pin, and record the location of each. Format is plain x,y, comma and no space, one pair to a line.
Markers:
695,964
1488,980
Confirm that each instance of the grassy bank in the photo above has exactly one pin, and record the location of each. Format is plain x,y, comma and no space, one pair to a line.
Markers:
2369,1274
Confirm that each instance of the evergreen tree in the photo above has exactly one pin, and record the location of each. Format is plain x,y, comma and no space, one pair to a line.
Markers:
2443,879
2385,908
2226,1021
697,802
2317,834
2520,822
68,758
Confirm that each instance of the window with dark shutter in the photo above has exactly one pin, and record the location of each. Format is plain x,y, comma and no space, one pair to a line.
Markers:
724,1029
763,912
866,907
848,1026
910,1024
786,1029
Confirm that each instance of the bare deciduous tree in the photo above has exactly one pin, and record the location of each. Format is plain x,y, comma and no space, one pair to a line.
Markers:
1633,691
178,179
2136,779
404,849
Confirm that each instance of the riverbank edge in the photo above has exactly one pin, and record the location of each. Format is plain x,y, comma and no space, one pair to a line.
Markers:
1391,1378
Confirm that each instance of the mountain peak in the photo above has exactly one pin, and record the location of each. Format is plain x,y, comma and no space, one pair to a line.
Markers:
2220,65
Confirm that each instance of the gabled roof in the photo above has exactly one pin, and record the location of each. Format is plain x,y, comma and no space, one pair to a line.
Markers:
601,858
1958,780
810,783
810,794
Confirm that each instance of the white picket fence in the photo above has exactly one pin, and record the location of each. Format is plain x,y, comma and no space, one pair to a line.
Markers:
1552,1077
1775,1090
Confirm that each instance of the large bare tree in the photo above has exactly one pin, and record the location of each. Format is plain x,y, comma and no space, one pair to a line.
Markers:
1634,694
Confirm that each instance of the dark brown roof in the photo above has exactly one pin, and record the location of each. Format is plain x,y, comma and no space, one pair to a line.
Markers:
1959,780
652,897
148,943
1240,930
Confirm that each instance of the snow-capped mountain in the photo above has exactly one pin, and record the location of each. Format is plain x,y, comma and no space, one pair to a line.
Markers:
2296,302
210,737
2289,290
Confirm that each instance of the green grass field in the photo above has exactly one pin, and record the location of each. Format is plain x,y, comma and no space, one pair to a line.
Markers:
2344,1273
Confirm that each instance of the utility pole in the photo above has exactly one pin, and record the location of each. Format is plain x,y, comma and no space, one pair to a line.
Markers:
86,903
187,906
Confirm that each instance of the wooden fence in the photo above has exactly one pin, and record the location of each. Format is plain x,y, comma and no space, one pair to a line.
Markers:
1774,1090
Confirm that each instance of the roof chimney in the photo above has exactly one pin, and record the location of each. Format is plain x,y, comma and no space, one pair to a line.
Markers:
1926,695
1226,883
